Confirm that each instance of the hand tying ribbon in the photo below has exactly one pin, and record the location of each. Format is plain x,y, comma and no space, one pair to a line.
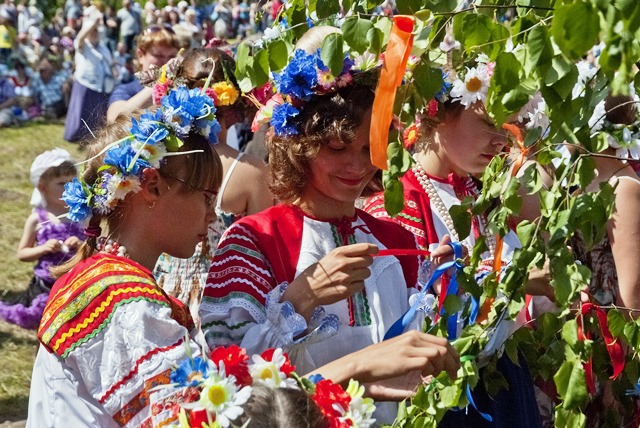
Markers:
614,347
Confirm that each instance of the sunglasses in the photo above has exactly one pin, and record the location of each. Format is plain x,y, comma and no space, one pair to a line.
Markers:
157,28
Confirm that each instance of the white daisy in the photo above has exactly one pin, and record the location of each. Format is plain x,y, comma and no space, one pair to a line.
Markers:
449,43
220,395
473,88
153,153
360,409
269,372
629,148
586,71
120,185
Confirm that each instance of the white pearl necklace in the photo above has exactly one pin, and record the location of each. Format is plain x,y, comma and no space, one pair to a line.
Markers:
441,209
112,246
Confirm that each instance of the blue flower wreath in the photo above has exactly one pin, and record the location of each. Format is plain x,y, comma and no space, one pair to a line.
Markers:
182,111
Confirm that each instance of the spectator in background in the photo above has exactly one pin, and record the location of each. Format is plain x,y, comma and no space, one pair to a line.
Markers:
150,13
111,28
51,88
7,39
7,98
130,24
25,106
156,46
192,28
73,12
93,83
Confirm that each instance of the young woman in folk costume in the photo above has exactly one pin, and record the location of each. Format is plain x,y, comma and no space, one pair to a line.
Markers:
304,274
454,140
244,187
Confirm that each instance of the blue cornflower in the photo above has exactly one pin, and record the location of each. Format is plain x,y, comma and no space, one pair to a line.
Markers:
149,129
77,200
299,77
315,378
182,106
281,119
190,372
121,157
445,89
210,129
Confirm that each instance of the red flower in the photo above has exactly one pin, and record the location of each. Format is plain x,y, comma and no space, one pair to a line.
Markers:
236,362
159,91
432,108
287,368
325,396
212,94
263,93
197,417
410,135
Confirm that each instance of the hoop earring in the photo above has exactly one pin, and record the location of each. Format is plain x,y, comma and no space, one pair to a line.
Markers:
152,205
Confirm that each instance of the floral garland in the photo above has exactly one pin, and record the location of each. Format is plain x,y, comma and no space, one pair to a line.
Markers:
152,138
211,392
625,139
304,77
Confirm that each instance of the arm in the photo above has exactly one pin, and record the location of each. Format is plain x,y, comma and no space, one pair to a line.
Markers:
78,43
26,250
624,233
395,367
140,100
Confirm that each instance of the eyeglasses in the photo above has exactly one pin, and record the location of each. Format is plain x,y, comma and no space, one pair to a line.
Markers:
157,28
209,194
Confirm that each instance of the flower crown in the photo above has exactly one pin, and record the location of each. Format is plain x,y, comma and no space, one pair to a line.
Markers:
305,77
625,139
165,78
211,392
156,135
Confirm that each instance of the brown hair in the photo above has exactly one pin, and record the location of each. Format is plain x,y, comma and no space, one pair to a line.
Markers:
448,110
203,171
281,408
65,169
162,37
325,118
621,109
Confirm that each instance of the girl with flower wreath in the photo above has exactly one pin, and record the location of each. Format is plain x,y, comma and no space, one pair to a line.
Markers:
454,140
108,330
304,275
244,188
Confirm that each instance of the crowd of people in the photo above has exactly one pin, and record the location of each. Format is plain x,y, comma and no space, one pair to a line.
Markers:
179,246
41,59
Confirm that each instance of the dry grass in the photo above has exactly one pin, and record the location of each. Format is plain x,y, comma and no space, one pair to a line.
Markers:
18,148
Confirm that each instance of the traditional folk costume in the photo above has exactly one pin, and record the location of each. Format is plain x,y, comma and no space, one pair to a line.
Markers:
261,254
427,200
108,334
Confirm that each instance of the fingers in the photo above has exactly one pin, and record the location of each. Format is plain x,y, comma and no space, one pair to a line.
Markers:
355,250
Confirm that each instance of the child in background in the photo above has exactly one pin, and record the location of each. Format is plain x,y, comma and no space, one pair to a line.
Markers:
46,238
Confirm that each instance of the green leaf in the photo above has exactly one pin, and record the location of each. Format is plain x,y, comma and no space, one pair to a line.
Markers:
260,70
375,39
278,55
461,220
570,332
525,231
472,29
332,53
427,80
326,8
569,418
452,304
393,196
575,28
355,32
616,322
409,7
571,384
539,48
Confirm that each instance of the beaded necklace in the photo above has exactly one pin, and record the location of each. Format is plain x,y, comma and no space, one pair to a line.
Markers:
111,246
441,209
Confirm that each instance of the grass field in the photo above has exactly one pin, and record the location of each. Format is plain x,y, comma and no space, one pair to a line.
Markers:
18,148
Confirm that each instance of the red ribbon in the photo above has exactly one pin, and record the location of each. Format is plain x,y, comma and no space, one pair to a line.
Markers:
614,347
401,252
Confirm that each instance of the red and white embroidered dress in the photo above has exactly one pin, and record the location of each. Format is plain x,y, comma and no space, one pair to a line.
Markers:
261,254
108,335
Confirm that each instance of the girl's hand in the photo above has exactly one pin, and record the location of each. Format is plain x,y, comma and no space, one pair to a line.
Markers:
72,242
51,246
338,275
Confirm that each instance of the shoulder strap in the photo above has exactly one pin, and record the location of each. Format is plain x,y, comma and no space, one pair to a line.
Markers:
226,180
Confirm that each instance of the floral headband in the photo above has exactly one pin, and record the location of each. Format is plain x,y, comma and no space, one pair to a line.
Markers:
153,137
625,139
305,77
211,392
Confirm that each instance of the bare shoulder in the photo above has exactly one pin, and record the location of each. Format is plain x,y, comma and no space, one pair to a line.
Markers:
251,166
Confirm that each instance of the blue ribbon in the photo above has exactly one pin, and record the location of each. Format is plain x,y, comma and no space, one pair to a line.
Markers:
486,416
403,322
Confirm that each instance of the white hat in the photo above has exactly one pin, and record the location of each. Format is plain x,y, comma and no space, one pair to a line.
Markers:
43,162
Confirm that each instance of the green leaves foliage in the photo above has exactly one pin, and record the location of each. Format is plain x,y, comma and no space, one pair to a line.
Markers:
575,28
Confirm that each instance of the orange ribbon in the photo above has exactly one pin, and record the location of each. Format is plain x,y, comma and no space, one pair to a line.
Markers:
497,256
393,68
